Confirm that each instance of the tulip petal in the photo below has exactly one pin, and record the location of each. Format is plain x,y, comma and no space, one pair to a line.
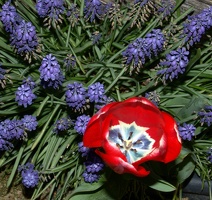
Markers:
172,138
93,134
120,166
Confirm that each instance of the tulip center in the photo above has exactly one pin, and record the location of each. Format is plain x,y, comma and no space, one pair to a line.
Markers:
132,140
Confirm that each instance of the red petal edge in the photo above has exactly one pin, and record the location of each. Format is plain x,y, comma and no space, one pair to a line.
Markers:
93,134
172,138
120,166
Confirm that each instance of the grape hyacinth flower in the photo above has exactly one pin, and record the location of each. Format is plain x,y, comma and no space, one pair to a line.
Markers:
73,15
6,135
75,95
81,123
94,9
156,41
17,129
95,92
24,37
51,8
176,62
136,52
197,25
153,97
70,62
210,155
24,95
8,16
96,36
30,122
166,9
30,177
29,81
93,165
103,101
5,145
186,131
83,150
50,72
90,177
206,115
62,125
206,15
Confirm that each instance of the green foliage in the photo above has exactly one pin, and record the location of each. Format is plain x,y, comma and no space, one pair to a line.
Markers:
56,157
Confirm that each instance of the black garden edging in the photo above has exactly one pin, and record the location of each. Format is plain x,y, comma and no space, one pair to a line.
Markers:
194,191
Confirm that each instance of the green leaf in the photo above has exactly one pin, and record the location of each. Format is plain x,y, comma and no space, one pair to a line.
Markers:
186,168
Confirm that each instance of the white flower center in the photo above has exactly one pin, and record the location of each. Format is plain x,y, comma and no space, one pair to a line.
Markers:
132,140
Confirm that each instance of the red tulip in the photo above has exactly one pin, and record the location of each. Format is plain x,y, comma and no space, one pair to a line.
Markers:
129,133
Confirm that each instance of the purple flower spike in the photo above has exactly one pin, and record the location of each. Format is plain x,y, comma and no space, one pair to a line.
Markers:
30,122
96,92
24,95
30,177
176,62
75,95
186,131
156,40
24,37
50,8
62,125
137,51
93,9
81,123
206,115
8,17
50,72
90,177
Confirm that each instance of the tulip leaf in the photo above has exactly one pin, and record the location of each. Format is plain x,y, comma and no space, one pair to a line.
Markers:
156,182
185,169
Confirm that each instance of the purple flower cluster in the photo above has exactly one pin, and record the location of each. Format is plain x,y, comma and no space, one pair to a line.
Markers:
197,25
22,34
141,48
206,115
166,9
30,176
9,130
14,129
81,123
187,131
96,36
94,9
50,8
50,72
70,62
62,125
93,165
24,94
76,95
24,37
30,122
73,14
176,62
83,150
155,40
8,16
95,92
153,97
